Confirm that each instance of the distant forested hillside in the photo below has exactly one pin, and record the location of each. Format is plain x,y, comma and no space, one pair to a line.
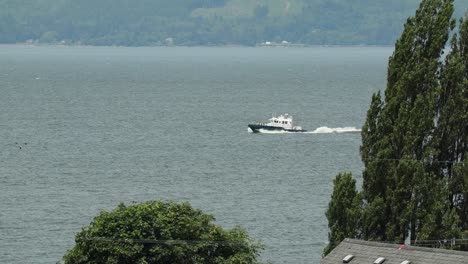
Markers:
206,22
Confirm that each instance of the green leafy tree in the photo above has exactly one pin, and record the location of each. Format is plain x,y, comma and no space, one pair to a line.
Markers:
452,131
461,177
343,212
404,127
415,140
161,232
373,221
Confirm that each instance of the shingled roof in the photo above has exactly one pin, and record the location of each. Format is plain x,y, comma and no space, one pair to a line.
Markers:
366,252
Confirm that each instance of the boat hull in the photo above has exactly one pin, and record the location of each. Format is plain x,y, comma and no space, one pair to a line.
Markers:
256,129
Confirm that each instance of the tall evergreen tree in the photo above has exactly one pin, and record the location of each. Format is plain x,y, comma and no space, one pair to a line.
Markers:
377,165
397,172
451,135
343,211
461,204
415,140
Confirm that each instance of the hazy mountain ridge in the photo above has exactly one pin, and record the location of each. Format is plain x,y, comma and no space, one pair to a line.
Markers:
206,22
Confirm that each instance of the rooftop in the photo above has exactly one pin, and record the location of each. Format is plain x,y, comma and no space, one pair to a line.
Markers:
367,252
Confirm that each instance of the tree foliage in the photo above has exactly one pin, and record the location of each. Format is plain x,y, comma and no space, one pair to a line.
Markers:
161,232
451,133
415,140
343,211
402,138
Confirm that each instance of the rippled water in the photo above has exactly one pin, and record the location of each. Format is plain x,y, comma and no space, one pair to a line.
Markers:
85,128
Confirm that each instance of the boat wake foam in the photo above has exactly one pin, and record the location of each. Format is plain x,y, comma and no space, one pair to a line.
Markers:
328,130
320,130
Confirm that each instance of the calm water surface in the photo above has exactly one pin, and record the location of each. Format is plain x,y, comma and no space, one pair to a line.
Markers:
85,128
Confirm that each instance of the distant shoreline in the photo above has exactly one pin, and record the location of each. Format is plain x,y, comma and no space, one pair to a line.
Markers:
196,46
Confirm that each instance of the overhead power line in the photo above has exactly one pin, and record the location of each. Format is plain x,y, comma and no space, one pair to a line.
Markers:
423,161
164,242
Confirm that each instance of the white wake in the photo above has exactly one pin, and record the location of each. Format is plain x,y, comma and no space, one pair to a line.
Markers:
320,130
329,130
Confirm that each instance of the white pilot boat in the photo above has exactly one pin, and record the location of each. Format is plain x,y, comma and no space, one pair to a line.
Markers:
277,123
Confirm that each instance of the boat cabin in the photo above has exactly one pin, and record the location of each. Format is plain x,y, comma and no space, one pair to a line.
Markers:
284,121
